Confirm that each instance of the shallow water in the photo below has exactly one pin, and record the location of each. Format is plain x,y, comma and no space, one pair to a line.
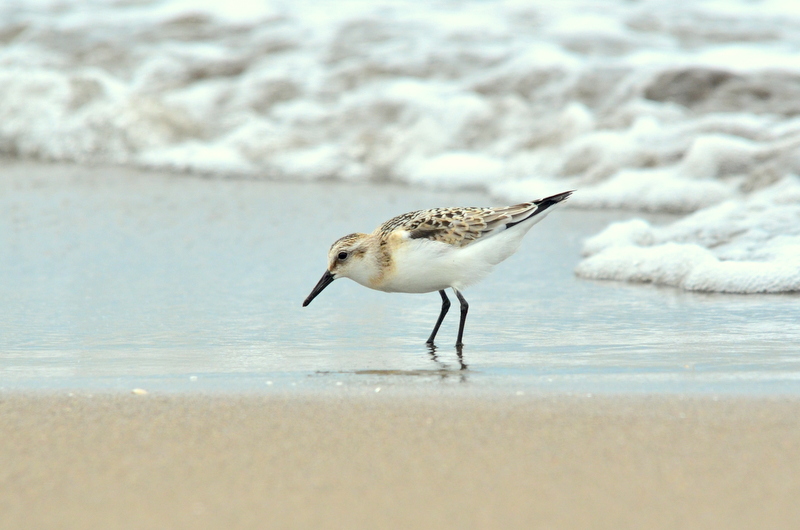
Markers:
114,279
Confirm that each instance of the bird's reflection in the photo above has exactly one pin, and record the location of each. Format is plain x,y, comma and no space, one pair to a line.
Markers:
443,369
444,366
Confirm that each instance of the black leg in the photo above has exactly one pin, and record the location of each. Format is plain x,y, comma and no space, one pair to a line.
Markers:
464,309
445,307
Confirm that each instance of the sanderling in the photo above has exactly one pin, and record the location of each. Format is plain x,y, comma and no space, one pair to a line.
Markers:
431,250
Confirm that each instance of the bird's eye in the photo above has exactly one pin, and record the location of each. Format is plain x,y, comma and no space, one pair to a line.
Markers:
342,256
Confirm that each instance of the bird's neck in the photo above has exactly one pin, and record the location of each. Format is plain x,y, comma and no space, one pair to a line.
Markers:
373,266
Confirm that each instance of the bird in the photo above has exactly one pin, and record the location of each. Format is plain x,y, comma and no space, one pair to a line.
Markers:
432,250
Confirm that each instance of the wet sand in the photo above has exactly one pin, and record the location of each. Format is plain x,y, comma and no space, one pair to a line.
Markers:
393,460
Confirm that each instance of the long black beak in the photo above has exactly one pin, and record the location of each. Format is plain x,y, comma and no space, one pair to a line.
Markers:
325,281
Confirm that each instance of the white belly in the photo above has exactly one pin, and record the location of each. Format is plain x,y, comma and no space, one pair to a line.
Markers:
422,265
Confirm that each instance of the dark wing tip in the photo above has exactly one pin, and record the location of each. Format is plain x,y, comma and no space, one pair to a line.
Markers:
553,199
543,204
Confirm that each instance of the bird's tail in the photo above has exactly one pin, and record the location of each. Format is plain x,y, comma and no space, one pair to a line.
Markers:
542,205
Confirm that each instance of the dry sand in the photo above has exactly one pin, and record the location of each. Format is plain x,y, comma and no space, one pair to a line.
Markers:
389,461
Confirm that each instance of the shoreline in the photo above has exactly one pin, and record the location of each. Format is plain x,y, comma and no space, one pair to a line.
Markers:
379,460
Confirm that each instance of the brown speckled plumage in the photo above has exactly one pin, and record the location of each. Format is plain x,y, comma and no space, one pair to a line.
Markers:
457,226
349,238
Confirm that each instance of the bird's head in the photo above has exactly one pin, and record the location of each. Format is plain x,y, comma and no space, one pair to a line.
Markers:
346,259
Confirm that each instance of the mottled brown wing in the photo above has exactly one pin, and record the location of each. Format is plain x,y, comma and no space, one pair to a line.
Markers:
456,226
462,226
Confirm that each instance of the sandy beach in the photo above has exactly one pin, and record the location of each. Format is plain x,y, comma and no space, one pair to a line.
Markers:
397,461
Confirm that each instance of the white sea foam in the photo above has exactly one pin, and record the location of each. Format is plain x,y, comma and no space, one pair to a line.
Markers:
749,245
638,105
